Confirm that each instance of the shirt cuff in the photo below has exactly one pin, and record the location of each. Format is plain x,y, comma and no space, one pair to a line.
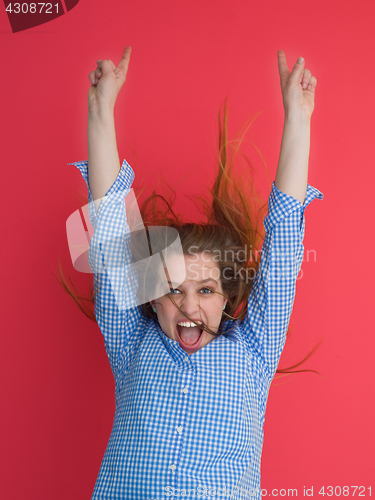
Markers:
281,205
116,192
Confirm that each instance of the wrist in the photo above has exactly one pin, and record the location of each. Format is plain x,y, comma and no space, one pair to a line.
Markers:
100,111
297,117
296,126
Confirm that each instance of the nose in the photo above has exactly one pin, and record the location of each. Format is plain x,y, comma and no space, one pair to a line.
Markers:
190,304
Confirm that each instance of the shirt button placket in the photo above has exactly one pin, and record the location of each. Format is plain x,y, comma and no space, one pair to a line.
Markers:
179,428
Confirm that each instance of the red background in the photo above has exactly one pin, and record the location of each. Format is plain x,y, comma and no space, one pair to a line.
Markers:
57,389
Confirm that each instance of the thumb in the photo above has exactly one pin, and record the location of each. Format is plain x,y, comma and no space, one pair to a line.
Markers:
298,70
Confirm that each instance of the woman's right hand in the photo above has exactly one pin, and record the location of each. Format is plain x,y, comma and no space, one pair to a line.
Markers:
106,81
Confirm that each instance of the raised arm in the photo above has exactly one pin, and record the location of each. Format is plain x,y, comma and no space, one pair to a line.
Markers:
272,295
298,91
116,306
103,158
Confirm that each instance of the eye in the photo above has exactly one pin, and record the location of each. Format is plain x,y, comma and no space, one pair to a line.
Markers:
172,292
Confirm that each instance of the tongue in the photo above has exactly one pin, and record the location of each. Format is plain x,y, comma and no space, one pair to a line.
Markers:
189,335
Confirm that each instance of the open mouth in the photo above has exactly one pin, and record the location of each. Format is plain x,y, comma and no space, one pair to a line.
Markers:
189,337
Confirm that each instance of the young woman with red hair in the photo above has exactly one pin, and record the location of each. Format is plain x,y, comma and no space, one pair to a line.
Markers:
193,365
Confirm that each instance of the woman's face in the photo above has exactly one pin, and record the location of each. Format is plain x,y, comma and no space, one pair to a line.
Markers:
196,298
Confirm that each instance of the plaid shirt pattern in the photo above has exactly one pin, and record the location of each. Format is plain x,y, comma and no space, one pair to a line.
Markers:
190,426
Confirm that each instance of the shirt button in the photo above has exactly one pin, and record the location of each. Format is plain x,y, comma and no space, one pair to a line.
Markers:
186,358
179,429
184,390
172,466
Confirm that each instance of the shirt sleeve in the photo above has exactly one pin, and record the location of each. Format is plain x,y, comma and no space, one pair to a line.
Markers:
272,295
116,310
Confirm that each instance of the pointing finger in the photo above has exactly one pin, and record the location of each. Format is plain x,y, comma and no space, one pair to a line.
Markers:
283,67
124,61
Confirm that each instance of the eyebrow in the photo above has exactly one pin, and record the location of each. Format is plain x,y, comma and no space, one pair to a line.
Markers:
207,279
201,282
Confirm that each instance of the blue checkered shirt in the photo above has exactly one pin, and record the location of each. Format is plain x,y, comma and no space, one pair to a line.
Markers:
192,426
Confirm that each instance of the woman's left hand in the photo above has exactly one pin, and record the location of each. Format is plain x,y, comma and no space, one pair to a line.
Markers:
297,97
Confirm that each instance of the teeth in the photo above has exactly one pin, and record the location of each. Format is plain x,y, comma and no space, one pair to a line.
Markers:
188,323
